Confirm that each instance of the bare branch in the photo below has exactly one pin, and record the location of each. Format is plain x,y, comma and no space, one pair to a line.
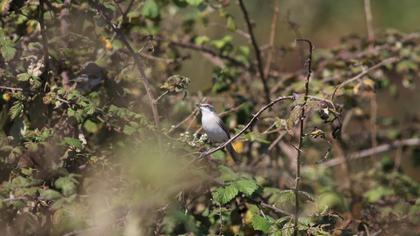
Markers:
375,150
257,51
275,209
136,57
369,21
247,126
10,88
301,136
273,30
365,72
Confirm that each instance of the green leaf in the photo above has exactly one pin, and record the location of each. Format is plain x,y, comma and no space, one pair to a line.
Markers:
260,223
150,9
67,185
74,143
23,77
246,186
129,130
16,110
194,2
330,200
50,194
8,52
6,46
226,174
224,195
201,40
91,126
376,194
230,24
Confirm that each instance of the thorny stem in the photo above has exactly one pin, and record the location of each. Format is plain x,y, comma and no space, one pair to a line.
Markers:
256,50
137,60
301,135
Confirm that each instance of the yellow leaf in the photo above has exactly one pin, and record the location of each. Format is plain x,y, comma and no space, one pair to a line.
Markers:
368,82
248,217
106,42
4,6
235,229
356,89
238,146
6,97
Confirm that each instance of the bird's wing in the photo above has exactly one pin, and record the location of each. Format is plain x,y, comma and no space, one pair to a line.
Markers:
221,124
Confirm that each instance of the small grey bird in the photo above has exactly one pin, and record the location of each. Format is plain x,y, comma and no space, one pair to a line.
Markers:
215,128
91,78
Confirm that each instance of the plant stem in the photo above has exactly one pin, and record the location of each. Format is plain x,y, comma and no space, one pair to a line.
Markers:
256,50
301,135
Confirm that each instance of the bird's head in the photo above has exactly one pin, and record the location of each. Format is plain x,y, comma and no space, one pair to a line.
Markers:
205,107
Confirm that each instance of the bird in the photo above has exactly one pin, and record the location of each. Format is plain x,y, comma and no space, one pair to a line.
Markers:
91,77
215,128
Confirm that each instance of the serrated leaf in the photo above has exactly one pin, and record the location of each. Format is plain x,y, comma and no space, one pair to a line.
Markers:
16,110
8,52
50,194
224,195
6,46
67,185
246,186
129,130
226,174
260,223
23,76
74,143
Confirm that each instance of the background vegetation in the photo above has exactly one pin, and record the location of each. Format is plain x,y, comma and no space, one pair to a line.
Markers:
100,133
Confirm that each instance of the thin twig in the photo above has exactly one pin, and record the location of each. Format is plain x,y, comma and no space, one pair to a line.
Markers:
247,126
161,96
275,209
190,116
371,151
10,88
301,135
273,30
210,52
136,57
369,21
373,118
256,50
365,72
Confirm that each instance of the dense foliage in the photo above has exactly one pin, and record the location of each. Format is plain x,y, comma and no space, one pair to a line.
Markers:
100,133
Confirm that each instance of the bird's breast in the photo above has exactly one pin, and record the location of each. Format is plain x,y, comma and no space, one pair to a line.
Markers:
212,128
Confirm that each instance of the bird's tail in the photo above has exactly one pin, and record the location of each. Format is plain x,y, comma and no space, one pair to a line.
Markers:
233,153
